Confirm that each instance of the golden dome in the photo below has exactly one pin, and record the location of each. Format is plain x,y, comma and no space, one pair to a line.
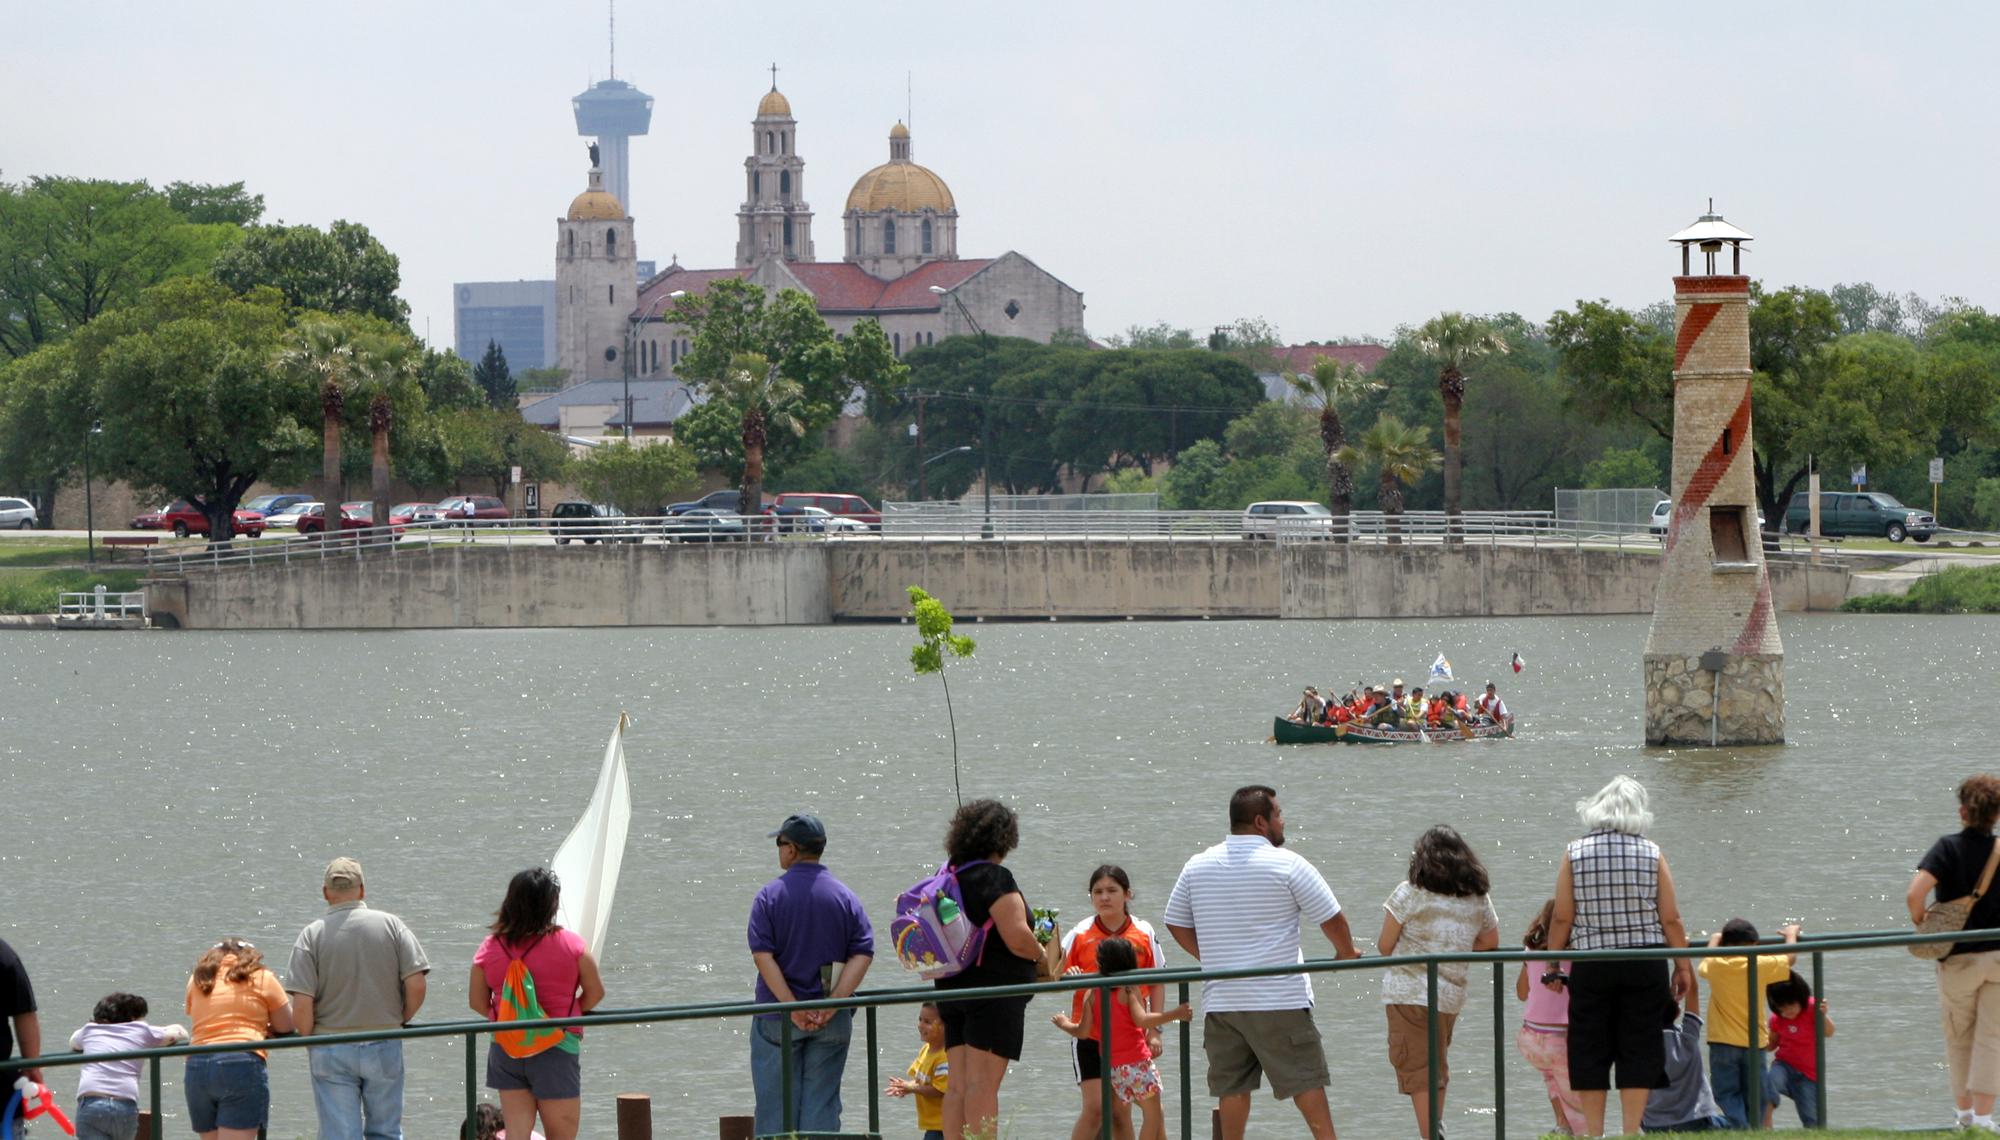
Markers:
901,186
595,206
774,104
899,131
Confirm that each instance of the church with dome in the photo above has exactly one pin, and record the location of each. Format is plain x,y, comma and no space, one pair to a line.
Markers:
900,265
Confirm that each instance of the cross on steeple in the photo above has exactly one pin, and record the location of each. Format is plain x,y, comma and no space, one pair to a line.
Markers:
774,76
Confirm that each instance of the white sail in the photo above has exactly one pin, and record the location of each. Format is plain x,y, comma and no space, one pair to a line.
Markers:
587,862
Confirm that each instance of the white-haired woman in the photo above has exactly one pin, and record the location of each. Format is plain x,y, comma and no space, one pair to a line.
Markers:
1614,892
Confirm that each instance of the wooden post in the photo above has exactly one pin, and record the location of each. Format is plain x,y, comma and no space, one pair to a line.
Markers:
738,1128
145,1123
635,1116
1215,1123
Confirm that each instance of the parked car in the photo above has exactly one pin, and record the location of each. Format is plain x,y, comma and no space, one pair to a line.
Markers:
288,519
476,509
791,519
404,514
704,524
1859,514
1292,517
155,519
1662,511
268,505
845,506
591,522
353,516
725,500
183,519
18,514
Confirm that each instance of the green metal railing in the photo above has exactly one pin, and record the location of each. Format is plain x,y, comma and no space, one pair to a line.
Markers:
869,1001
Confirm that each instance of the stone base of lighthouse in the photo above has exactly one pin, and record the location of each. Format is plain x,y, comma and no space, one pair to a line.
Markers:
1683,707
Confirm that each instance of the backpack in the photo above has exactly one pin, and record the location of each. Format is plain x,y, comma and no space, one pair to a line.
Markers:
517,1002
931,932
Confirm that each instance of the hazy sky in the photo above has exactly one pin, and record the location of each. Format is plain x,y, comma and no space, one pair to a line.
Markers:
1336,168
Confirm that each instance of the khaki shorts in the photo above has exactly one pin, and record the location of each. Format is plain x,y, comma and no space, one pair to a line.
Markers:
1410,1048
1242,1046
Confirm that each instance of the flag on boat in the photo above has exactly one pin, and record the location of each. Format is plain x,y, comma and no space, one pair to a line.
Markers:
1441,669
587,863
1518,663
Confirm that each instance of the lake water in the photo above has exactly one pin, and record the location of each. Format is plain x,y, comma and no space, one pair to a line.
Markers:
164,790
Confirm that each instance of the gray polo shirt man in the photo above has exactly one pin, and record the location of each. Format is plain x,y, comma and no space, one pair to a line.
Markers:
356,969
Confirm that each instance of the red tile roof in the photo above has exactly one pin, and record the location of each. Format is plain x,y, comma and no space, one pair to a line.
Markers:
1300,357
913,290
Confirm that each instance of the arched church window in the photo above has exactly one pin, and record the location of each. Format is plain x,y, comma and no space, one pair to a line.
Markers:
674,353
611,293
785,183
611,242
572,243
899,344
927,235
788,233
888,235
770,142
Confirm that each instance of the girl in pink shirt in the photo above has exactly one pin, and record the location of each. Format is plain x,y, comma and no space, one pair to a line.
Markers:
1544,1035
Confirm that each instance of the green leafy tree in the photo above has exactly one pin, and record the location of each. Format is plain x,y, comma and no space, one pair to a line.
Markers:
936,642
44,410
824,469
1331,385
494,379
773,362
640,480
1270,429
1455,342
1401,454
341,269
1622,467
223,204
485,444
539,379
1252,341
447,381
1190,483
190,403
1159,334
1615,365
72,249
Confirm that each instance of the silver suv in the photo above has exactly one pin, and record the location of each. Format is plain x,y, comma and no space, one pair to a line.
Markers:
1291,518
17,514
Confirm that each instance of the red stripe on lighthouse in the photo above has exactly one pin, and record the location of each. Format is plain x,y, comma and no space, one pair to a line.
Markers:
1712,467
1698,318
1752,638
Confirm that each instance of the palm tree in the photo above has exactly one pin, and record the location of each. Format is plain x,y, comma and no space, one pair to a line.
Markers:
1402,454
324,351
1454,342
1330,384
752,387
385,364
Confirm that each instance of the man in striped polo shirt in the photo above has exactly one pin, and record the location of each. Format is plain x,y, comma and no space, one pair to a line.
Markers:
1237,905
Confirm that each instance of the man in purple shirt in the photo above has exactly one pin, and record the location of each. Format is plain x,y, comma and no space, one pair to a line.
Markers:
810,939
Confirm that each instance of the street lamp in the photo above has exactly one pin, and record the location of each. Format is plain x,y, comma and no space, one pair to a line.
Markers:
961,449
985,437
89,509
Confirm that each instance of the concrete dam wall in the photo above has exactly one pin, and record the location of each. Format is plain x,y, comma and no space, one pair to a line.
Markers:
488,586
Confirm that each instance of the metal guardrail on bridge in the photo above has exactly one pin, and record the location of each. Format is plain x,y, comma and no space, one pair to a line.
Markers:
1814,947
100,604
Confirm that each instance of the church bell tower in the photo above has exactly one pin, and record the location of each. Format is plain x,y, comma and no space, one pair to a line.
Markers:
775,220
596,282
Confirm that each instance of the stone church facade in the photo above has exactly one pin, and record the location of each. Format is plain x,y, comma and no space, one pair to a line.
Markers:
900,266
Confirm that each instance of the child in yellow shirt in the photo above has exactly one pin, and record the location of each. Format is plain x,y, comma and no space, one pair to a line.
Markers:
929,1074
1731,1051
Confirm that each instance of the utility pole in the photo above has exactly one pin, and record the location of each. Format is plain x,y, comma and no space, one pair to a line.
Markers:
923,488
985,471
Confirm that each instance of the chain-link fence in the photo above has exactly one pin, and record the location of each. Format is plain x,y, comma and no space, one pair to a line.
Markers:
1613,510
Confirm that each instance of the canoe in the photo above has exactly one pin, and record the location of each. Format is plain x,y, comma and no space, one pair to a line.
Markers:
1287,732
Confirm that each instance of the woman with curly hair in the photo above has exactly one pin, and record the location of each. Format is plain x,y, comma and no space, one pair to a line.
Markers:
232,997
982,1035
1969,975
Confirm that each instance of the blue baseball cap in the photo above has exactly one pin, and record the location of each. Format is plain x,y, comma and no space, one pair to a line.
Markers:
800,829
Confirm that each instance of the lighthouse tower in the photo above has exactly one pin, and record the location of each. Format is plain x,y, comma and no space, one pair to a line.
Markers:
1715,667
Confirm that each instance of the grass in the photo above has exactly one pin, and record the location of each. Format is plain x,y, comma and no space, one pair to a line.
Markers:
40,551
1953,590
34,591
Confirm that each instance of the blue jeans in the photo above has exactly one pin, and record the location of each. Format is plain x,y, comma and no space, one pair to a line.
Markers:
106,1118
817,1061
1729,1077
1803,1090
227,1090
358,1090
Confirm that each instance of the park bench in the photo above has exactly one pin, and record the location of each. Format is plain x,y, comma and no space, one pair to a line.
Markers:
112,542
